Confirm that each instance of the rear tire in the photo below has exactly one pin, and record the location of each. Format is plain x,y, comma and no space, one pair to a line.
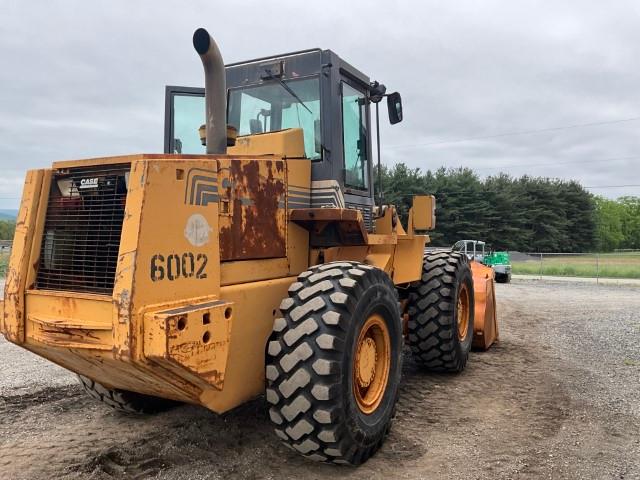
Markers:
333,362
125,401
503,277
437,335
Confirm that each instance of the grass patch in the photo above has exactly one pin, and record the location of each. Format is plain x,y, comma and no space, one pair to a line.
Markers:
622,265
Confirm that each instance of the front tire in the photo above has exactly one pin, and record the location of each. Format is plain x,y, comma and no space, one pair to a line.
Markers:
333,362
441,307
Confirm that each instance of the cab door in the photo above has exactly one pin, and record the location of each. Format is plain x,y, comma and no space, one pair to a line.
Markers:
184,113
355,148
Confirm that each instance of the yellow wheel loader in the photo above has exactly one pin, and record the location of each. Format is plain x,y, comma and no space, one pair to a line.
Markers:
259,264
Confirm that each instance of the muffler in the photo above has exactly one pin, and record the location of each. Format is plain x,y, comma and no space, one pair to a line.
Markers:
215,87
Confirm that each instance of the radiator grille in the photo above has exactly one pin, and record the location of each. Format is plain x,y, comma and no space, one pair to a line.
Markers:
82,229
367,214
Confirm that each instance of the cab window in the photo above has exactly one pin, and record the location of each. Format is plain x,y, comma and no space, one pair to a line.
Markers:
188,116
354,137
274,106
268,107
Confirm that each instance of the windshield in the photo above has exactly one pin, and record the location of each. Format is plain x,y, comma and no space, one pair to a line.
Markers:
271,107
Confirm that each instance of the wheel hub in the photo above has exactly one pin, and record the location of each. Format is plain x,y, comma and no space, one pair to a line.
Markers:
463,312
366,362
371,364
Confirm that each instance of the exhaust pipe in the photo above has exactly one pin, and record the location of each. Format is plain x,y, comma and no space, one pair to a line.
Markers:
215,87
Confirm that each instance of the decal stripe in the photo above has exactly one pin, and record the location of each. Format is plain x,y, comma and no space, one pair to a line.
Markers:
201,187
301,194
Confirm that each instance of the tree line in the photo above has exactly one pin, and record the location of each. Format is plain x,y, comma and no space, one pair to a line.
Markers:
529,214
7,229
618,223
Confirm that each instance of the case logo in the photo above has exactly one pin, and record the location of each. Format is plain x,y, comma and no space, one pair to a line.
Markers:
89,183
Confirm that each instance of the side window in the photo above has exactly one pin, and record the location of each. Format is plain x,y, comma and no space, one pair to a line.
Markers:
354,137
188,116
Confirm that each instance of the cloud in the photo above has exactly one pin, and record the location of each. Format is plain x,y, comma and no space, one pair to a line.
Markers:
82,79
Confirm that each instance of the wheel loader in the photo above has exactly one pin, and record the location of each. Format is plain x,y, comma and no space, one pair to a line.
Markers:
498,261
259,263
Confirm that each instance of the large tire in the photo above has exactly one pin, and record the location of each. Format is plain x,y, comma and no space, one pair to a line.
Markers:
320,406
503,277
437,339
125,401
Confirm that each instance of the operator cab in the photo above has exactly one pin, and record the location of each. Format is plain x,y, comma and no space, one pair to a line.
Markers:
473,249
314,90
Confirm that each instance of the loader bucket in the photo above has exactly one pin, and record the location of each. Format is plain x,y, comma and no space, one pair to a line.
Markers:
485,326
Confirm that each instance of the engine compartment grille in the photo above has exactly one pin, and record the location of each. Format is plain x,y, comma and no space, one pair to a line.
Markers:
82,230
367,214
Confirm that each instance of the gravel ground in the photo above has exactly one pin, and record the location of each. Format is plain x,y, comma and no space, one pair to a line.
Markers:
558,397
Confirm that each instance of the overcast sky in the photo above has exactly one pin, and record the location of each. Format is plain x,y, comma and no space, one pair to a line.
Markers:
81,79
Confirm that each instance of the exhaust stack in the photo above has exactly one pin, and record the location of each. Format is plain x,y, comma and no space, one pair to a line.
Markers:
215,91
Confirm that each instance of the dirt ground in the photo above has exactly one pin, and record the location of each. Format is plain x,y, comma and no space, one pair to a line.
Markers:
558,398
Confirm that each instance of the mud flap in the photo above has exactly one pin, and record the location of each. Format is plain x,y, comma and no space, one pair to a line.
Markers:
485,327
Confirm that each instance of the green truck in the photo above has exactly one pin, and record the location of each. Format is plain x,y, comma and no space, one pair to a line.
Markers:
476,250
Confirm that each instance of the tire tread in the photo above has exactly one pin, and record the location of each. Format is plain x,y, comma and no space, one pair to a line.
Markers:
124,401
432,326
308,415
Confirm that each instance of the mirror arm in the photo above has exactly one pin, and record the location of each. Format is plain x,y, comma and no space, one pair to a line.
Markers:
380,195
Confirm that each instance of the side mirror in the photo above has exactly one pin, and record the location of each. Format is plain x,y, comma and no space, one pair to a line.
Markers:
394,105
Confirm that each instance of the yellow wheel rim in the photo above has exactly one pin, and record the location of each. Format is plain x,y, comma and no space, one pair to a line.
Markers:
463,312
371,364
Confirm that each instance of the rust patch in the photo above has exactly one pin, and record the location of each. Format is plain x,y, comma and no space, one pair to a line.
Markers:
123,305
256,228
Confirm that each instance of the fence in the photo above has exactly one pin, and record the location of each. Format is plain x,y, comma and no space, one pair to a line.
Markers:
595,265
